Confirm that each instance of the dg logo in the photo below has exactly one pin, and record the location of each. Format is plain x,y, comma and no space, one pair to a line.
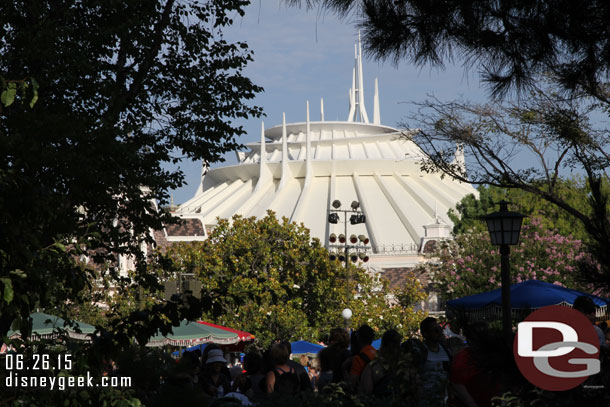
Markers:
556,348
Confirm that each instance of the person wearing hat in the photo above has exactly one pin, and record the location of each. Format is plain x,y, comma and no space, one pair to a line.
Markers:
215,383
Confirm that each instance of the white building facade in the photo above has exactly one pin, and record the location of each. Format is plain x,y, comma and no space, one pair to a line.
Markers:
298,170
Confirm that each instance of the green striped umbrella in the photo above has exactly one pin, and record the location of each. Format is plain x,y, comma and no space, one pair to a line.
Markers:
191,334
45,325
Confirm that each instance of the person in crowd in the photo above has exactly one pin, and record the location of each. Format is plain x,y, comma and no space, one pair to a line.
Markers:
282,378
338,352
298,368
472,385
213,381
204,356
378,376
364,337
607,338
435,373
313,369
455,344
304,361
585,305
325,358
249,382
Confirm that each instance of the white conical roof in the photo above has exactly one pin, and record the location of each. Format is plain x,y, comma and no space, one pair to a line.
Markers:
374,164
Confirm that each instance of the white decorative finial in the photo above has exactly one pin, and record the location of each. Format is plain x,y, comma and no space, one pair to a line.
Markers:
308,137
357,109
284,139
285,169
376,115
321,109
436,218
352,98
264,173
263,147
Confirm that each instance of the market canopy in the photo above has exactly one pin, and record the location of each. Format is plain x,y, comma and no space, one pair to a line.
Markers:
530,294
191,333
301,347
241,335
47,326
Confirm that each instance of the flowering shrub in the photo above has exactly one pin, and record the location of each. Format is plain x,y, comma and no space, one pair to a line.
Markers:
469,264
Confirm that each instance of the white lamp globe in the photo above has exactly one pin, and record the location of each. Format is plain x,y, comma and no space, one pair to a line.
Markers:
347,313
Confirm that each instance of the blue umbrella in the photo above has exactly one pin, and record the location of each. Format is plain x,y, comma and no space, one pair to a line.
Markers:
529,294
300,347
376,344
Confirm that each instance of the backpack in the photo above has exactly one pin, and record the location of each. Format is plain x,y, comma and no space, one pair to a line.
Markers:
286,382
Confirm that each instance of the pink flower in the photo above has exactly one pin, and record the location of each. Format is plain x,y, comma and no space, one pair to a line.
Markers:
457,278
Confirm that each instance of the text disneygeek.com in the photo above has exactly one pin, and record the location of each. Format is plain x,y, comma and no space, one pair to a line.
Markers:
29,373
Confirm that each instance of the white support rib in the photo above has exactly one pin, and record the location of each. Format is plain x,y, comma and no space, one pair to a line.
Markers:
225,197
308,155
321,109
264,174
398,208
331,197
257,195
372,222
376,115
286,174
414,195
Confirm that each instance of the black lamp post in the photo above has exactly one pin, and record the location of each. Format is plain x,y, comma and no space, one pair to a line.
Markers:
504,229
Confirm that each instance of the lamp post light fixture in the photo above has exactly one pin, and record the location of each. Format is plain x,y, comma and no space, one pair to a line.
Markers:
342,247
346,314
504,230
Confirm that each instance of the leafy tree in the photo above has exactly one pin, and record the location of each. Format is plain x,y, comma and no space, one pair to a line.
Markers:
468,212
125,88
271,278
469,264
553,137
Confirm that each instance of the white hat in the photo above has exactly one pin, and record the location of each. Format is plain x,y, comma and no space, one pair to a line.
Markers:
215,355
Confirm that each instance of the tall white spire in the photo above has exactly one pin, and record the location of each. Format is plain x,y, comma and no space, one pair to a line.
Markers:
321,109
308,139
376,115
264,173
263,147
357,110
286,175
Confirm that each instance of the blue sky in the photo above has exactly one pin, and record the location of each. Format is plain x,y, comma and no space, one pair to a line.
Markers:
302,55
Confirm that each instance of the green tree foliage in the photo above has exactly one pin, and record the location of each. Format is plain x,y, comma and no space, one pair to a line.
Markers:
532,147
125,88
469,264
468,212
269,277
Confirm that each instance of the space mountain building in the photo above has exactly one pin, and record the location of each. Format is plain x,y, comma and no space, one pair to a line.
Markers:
299,169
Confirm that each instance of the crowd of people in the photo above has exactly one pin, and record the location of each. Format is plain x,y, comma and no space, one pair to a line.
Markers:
449,370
